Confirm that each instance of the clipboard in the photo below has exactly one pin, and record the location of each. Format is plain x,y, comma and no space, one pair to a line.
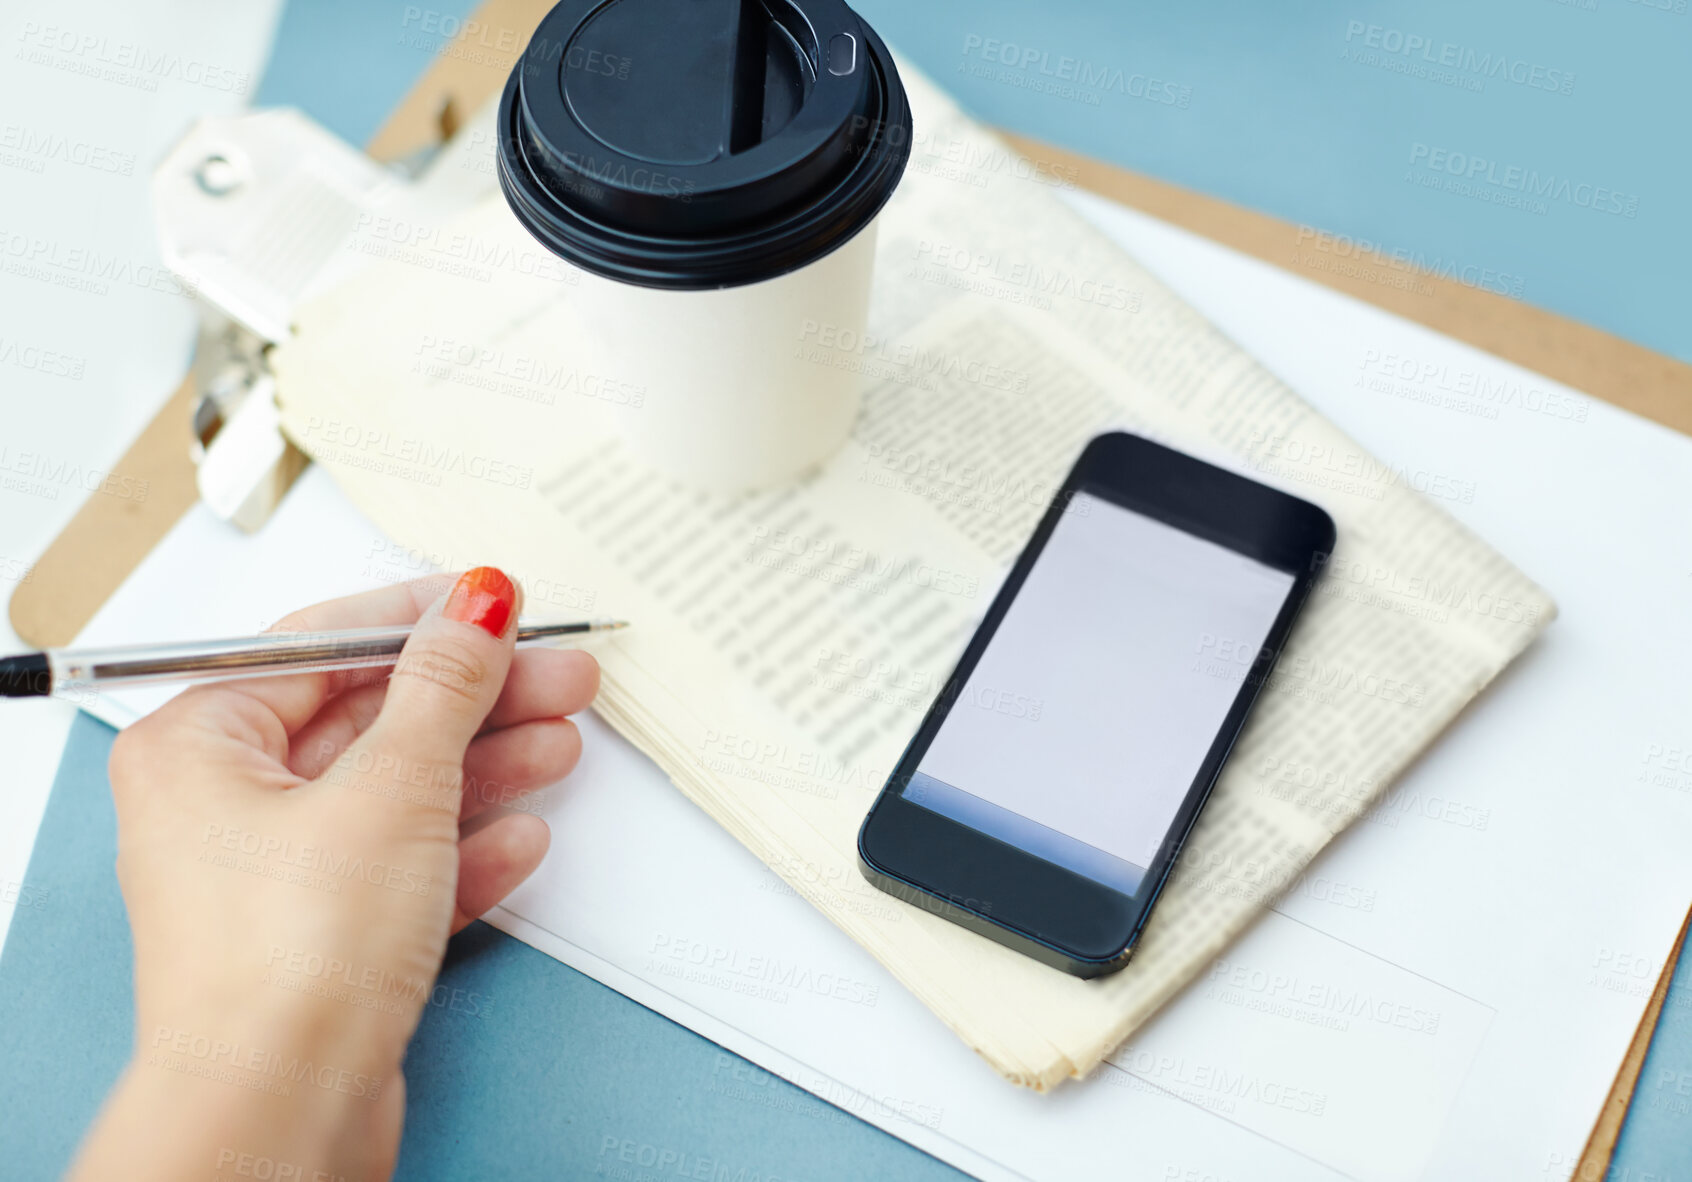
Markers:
109,537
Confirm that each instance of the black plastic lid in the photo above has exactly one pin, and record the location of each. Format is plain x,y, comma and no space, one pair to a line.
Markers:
701,143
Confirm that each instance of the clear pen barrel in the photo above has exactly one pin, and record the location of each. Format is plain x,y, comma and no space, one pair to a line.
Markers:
213,660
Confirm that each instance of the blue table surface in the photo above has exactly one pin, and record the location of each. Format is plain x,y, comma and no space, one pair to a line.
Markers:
1655,1145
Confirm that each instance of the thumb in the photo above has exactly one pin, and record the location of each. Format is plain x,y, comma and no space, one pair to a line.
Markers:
449,675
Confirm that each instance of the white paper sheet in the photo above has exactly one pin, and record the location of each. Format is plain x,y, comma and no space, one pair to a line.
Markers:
1446,994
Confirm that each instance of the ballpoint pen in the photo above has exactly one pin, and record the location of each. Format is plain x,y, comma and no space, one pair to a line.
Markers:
62,671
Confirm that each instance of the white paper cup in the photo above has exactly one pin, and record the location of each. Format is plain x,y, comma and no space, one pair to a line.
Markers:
717,174
734,390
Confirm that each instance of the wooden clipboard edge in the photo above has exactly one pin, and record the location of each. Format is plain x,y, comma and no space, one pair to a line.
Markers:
1588,359
1594,1164
110,535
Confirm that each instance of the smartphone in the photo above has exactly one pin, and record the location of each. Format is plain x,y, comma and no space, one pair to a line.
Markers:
1053,781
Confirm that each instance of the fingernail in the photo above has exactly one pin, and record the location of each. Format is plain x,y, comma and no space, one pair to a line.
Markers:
483,597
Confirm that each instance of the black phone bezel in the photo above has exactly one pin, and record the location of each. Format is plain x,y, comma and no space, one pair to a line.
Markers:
1041,909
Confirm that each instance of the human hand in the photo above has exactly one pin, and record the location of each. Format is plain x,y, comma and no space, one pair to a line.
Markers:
291,855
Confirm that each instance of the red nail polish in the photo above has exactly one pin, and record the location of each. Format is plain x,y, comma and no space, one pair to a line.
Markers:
483,597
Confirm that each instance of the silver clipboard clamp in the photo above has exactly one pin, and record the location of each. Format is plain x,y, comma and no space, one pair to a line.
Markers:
257,213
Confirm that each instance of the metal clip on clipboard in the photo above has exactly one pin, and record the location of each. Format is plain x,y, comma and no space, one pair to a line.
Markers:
256,213
212,434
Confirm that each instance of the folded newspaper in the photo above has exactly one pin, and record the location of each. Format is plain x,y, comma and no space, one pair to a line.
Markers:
790,640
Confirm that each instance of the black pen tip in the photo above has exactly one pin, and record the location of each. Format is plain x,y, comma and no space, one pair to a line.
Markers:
25,676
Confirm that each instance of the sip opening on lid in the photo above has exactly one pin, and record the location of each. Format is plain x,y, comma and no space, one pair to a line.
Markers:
693,144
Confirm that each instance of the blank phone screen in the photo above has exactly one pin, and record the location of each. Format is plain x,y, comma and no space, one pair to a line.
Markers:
1084,724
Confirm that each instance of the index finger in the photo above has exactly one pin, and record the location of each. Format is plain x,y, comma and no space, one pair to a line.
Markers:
297,697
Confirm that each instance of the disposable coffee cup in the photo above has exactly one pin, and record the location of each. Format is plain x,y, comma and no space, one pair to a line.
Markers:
715,167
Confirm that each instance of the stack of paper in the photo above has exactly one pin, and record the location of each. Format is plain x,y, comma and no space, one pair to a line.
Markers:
788,641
